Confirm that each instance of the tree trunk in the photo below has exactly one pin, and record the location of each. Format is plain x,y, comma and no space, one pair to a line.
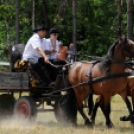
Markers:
46,20
74,22
119,18
130,19
33,14
8,35
17,22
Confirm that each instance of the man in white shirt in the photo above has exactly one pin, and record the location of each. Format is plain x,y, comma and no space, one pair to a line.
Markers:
34,50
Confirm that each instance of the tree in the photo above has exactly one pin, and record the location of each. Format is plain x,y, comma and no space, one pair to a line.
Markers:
130,19
46,20
33,14
74,22
119,17
95,28
17,37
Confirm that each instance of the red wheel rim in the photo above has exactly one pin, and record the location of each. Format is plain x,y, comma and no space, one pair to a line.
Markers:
23,109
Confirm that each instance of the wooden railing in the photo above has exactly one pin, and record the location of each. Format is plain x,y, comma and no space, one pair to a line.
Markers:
3,63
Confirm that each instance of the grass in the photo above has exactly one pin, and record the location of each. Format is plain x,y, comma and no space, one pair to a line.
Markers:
47,124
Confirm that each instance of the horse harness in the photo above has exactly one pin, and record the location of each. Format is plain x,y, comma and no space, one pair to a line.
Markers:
91,80
108,75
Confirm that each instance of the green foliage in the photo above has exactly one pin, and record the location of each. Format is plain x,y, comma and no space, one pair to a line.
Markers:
6,12
3,52
96,23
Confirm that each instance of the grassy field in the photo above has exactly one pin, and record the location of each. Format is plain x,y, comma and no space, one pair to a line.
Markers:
47,124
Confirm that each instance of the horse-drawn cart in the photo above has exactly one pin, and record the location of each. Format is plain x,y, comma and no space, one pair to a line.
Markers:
21,97
85,79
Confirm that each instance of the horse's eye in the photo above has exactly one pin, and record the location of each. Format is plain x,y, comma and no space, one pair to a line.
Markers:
130,45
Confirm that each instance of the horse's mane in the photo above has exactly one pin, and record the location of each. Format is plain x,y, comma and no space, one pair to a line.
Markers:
107,59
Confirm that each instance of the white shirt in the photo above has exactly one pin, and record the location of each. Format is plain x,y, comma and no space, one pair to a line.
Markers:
30,50
48,46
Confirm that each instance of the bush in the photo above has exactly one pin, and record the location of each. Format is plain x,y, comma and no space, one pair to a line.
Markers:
3,52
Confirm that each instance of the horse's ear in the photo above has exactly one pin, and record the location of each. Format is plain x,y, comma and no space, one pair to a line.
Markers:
121,38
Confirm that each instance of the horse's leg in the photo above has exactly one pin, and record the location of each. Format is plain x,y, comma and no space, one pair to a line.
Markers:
90,104
132,98
87,122
94,111
130,111
128,104
106,109
80,109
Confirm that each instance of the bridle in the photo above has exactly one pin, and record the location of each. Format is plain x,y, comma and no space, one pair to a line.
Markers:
126,46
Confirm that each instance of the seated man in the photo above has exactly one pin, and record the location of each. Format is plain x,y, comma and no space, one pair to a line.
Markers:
34,50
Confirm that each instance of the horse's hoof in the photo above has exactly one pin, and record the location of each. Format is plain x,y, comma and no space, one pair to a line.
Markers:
74,125
88,123
90,112
92,122
125,118
110,125
132,121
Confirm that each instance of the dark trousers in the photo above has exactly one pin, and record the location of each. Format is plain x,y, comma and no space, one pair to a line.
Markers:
52,72
40,70
56,71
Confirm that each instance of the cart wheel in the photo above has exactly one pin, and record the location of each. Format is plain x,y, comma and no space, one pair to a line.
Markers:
61,110
7,102
60,114
25,108
65,112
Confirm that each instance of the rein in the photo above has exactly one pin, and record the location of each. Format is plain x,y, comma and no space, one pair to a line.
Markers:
94,80
68,64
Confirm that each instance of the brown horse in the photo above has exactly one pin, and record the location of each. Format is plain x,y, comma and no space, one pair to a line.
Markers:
130,93
106,77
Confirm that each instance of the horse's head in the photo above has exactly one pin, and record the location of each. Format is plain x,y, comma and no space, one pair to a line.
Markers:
118,52
127,46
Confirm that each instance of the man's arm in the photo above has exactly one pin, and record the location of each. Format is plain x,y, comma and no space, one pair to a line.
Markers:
42,53
48,48
49,51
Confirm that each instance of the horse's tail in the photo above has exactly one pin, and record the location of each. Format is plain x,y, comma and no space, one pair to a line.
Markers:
73,105
68,104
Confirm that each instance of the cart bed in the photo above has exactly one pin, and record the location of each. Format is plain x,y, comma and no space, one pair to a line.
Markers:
14,80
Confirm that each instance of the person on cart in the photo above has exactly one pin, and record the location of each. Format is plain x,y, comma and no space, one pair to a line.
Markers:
72,53
51,50
62,52
34,52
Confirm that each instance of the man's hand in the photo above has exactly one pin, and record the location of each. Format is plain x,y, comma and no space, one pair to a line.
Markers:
53,50
46,60
49,51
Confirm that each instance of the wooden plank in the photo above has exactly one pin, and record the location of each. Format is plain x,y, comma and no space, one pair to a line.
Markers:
14,80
